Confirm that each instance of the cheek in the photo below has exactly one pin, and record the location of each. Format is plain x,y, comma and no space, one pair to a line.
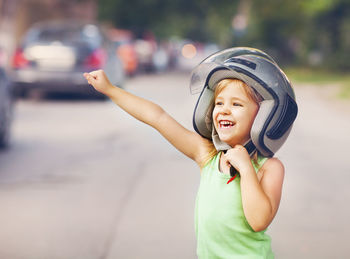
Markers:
253,116
213,121
255,112
213,118
214,114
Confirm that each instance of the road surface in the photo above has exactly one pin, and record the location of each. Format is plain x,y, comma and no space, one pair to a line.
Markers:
83,180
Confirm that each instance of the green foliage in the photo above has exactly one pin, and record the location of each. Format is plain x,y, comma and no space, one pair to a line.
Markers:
314,7
304,32
197,19
316,76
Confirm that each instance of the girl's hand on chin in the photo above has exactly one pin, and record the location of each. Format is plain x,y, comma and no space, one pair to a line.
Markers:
239,158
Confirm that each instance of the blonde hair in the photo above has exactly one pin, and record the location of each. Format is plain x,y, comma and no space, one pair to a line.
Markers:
250,92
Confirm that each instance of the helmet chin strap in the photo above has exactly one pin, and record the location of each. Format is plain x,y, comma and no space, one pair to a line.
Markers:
222,146
219,145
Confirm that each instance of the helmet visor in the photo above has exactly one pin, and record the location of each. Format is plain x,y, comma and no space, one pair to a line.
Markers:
199,76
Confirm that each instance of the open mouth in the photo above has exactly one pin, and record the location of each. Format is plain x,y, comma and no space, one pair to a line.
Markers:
225,124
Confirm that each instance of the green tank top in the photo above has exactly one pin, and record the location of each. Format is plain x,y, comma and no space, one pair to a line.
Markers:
221,228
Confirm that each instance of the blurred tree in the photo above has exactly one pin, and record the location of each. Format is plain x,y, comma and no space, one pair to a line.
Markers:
197,19
312,32
277,26
330,35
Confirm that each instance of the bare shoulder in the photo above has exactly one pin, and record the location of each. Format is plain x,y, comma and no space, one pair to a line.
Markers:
273,171
273,164
272,181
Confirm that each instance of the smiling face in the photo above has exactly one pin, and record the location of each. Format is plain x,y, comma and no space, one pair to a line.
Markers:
234,111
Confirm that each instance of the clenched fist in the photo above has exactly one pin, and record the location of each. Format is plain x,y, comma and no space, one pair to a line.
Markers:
99,80
238,157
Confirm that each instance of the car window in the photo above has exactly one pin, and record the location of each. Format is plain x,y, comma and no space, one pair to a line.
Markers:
88,34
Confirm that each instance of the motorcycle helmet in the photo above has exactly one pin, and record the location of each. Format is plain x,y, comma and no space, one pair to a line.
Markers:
278,108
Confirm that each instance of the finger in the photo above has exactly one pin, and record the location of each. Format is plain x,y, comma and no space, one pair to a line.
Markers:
239,147
88,76
95,73
226,160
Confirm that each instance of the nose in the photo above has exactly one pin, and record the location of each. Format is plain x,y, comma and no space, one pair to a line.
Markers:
225,109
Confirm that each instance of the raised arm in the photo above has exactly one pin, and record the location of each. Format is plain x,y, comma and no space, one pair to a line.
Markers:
186,141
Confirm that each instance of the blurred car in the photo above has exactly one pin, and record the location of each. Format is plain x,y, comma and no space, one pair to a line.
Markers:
53,56
6,108
145,50
125,49
161,57
127,53
190,53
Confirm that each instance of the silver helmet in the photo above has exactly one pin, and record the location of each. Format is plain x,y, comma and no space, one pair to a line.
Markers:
277,111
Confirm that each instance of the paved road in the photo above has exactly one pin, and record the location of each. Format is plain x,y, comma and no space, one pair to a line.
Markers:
84,180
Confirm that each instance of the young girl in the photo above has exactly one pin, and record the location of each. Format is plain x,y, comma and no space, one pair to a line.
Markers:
243,115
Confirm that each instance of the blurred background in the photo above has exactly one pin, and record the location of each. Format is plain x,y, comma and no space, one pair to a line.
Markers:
309,33
79,178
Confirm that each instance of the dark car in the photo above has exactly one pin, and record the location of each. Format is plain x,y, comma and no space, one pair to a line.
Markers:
6,108
53,56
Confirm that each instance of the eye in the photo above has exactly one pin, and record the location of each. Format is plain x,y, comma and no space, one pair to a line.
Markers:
237,104
218,103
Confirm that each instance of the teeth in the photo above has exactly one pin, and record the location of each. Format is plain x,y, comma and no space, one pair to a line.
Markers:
226,123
